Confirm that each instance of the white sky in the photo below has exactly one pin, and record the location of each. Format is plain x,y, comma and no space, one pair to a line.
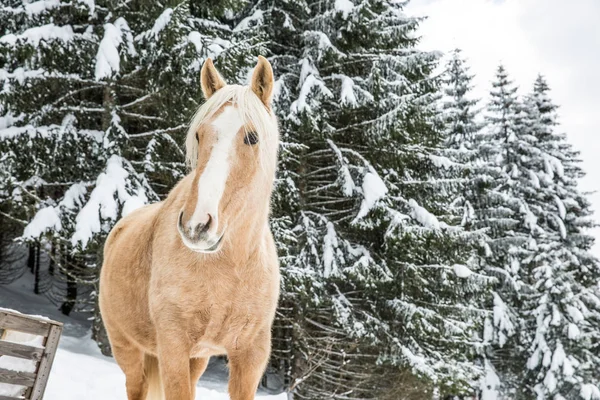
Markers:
560,39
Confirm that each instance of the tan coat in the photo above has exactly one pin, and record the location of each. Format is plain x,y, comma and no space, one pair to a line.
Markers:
169,308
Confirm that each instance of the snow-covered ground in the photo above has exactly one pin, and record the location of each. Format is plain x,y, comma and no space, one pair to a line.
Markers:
80,371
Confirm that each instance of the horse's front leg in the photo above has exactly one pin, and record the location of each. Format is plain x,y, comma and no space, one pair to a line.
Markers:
247,365
173,350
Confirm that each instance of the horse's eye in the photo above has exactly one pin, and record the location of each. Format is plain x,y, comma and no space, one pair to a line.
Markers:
251,138
197,140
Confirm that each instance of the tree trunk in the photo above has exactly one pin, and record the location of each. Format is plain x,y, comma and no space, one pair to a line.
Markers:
31,257
52,263
99,334
36,285
71,297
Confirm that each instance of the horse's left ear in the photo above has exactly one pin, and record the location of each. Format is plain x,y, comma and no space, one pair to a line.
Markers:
263,81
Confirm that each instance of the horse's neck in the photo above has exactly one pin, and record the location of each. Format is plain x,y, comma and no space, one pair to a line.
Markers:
248,236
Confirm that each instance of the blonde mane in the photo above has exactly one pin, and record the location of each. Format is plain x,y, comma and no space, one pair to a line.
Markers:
253,112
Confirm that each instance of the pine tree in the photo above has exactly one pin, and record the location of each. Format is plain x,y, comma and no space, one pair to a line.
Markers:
542,296
479,204
564,309
460,111
504,205
371,277
95,103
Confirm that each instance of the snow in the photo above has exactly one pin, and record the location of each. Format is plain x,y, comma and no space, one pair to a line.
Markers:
14,131
502,320
490,383
311,82
534,360
555,166
417,362
373,189
306,69
568,369
330,244
347,96
573,332
79,370
102,202
441,162
34,8
308,81
575,314
462,271
562,212
550,381
74,196
162,21
344,6
424,217
535,181
529,218
20,74
589,392
348,185
97,377
257,17
107,59
45,219
558,357
18,364
561,227
134,202
9,119
195,38
159,25
38,7
288,23
90,3
488,330
34,35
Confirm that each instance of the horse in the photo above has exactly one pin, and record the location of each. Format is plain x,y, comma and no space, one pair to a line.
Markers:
197,275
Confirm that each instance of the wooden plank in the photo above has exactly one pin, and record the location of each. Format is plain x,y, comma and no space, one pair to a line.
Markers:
43,372
11,398
20,351
17,322
17,377
31,317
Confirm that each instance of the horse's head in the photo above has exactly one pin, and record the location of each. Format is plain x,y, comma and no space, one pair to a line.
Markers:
232,146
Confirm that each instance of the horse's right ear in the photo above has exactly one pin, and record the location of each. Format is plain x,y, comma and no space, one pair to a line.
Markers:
210,79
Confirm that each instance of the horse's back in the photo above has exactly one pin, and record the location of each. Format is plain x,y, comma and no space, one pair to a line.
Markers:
125,272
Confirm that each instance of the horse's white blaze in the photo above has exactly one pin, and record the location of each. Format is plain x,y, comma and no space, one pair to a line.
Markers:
211,184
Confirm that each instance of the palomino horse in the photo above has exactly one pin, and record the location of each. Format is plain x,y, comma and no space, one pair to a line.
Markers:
197,274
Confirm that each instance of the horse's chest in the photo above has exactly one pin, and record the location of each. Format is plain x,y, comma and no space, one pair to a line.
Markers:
226,318
224,326
218,312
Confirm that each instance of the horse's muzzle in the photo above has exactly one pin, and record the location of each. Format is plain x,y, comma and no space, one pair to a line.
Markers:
198,238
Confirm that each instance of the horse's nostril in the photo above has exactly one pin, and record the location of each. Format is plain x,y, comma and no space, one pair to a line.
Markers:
201,228
180,220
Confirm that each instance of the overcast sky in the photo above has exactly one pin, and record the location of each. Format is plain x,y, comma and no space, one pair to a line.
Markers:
560,39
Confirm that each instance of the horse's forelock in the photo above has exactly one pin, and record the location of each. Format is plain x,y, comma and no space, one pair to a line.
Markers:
253,113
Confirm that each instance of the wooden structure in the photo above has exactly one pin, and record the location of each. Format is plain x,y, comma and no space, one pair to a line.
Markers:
50,331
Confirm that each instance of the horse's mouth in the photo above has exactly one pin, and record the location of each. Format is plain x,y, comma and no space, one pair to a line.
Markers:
213,248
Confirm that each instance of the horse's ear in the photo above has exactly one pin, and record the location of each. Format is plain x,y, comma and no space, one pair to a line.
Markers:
263,81
210,79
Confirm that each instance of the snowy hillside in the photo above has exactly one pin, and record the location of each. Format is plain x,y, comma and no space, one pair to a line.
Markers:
80,371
